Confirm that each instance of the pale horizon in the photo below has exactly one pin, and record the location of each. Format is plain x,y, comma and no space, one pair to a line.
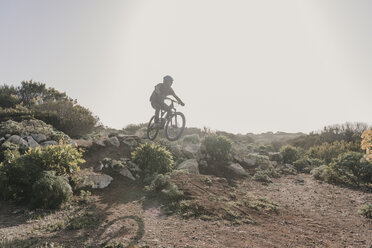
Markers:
239,66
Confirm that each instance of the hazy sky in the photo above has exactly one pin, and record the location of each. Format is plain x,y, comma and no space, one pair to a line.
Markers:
240,66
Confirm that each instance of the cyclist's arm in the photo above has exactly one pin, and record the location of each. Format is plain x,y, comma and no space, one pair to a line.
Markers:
177,98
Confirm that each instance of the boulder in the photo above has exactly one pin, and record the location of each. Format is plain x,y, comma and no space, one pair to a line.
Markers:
16,139
2,140
126,173
31,142
83,143
39,137
100,181
190,165
191,150
131,141
236,169
113,141
276,156
49,143
7,136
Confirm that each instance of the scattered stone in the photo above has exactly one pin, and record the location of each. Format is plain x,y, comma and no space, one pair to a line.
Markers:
2,140
39,137
16,139
237,170
190,165
114,141
31,142
99,167
100,181
49,143
126,173
300,180
7,136
99,143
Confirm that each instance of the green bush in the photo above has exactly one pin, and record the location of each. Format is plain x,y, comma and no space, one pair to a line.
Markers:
264,173
64,159
330,151
290,154
68,117
153,159
262,176
50,191
366,210
8,96
162,184
306,164
353,168
217,147
191,138
20,172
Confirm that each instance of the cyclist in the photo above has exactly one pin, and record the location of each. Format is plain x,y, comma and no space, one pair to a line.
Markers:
159,94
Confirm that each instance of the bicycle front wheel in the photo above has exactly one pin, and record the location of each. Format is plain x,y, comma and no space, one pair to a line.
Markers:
152,131
175,126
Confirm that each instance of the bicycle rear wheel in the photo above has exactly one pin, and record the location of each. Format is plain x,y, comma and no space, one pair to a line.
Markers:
175,126
152,131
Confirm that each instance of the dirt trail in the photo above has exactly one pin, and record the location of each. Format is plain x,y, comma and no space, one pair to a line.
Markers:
310,214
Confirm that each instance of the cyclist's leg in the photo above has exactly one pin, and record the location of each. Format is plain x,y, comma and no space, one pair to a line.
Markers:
157,108
165,107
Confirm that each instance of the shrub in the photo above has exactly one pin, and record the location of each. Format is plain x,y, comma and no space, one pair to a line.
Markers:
290,154
217,147
67,116
262,176
8,96
153,159
162,184
20,172
353,167
367,144
192,138
307,164
366,210
133,128
265,172
329,151
63,159
50,191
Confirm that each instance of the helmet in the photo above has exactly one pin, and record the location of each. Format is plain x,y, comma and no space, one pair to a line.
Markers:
168,79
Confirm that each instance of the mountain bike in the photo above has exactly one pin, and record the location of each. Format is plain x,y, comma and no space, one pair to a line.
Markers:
173,123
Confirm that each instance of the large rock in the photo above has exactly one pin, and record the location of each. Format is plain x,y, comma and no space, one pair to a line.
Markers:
39,137
236,170
126,173
190,165
31,142
113,141
251,160
191,150
131,141
100,181
276,156
16,139
49,143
